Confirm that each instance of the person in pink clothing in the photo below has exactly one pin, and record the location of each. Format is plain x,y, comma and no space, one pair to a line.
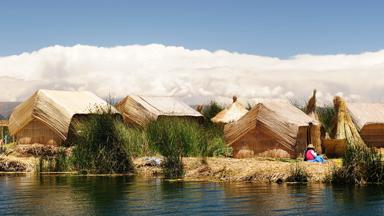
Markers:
310,155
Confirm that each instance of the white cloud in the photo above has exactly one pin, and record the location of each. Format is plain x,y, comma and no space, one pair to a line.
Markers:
167,70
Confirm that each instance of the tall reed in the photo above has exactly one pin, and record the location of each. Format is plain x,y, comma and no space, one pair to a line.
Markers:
175,138
100,144
326,114
361,165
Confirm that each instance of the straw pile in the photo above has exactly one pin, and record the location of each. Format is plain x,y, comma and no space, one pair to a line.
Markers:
310,109
36,150
344,128
16,164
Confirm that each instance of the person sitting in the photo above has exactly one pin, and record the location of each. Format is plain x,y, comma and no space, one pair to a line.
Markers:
310,155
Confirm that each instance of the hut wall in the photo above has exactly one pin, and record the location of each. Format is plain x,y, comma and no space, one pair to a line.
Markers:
258,142
373,135
301,140
37,132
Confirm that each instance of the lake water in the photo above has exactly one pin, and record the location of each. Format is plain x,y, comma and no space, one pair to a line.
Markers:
81,195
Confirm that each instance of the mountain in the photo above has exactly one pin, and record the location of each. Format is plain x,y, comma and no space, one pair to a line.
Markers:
6,109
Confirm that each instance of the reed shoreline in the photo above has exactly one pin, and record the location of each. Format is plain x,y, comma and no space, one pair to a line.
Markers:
217,169
256,169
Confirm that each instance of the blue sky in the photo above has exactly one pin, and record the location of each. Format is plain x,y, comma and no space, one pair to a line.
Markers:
271,28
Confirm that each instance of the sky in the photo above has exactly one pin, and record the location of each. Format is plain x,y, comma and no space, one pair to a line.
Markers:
194,48
270,27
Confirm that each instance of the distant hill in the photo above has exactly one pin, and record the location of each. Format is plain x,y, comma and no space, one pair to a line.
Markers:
6,109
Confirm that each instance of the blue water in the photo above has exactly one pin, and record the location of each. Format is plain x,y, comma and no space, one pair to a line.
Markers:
80,195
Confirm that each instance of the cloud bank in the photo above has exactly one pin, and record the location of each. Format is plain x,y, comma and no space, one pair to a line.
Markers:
192,74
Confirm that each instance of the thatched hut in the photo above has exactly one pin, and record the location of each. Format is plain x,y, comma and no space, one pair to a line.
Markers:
272,129
46,116
369,119
140,110
231,114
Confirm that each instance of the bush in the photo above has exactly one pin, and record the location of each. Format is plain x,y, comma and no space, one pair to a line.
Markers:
101,144
361,165
212,143
62,161
211,110
298,174
326,115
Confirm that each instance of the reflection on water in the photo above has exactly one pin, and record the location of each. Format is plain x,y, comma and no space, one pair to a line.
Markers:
123,195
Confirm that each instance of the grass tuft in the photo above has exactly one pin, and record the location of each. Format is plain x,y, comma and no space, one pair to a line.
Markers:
298,174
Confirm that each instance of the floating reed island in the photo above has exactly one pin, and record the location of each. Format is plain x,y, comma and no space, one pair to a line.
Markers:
72,131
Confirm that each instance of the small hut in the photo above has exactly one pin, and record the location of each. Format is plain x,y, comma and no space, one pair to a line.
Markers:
231,114
272,129
369,119
140,110
46,116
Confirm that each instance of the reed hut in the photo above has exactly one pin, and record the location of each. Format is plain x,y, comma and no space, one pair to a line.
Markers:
46,116
369,119
231,114
272,129
140,110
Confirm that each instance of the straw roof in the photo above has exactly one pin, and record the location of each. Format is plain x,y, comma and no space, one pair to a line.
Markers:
233,113
55,109
142,109
281,118
366,113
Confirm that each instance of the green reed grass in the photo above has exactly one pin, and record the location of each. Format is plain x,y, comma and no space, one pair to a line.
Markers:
326,115
361,165
100,144
175,138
